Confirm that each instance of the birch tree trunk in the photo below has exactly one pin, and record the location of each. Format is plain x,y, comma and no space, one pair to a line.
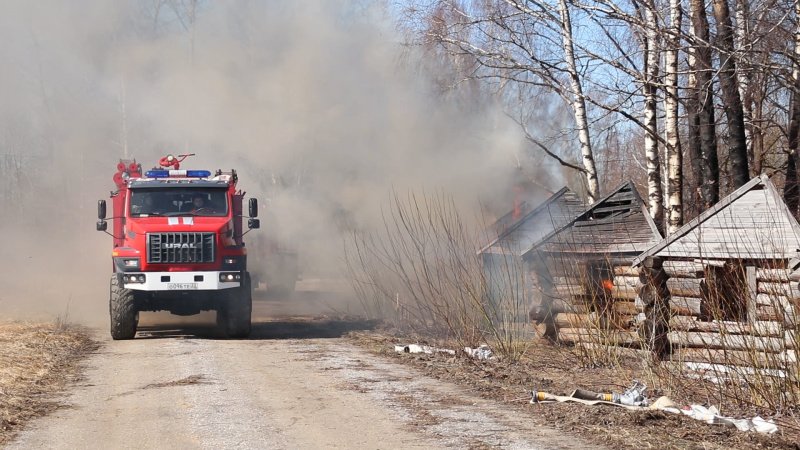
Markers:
742,38
650,90
731,101
671,123
579,104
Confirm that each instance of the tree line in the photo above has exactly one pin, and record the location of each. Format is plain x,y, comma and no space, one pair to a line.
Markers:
705,93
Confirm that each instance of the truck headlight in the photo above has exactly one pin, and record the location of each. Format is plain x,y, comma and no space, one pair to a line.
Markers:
136,278
230,277
131,262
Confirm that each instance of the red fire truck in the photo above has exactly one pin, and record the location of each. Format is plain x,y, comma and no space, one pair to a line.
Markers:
178,245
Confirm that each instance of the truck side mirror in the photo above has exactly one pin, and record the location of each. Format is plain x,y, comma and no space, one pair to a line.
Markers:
253,223
102,225
253,208
101,209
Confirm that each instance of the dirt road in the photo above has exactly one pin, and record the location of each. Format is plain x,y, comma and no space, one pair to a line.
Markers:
295,384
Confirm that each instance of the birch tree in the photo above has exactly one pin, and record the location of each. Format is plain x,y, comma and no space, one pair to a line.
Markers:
518,43
671,120
741,35
578,104
650,87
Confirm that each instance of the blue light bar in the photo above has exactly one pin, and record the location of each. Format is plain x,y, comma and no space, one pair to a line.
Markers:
177,173
198,173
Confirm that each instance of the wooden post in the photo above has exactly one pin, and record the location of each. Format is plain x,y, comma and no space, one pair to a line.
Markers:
752,294
655,297
544,314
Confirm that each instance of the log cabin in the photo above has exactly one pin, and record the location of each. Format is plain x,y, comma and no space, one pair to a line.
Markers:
725,288
584,285
504,269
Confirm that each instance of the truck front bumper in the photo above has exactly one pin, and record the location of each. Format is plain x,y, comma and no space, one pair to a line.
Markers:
180,281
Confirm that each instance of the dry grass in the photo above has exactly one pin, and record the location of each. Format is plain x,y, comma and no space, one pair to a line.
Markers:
37,360
553,369
421,273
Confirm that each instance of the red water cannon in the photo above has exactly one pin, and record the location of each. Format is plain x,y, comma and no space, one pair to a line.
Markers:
127,169
173,161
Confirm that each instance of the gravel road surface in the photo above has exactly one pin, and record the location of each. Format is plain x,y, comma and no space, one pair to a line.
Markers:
296,384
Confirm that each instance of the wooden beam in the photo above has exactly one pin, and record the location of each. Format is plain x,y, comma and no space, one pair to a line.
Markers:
607,337
623,280
684,287
736,357
624,292
571,320
761,328
752,293
790,289
567,290
627,271
626,308
683,269
731,342
688,306
777,275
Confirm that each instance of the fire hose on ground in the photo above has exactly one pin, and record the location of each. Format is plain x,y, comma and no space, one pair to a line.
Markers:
634,399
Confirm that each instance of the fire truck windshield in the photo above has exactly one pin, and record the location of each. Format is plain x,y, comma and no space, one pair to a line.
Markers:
176,201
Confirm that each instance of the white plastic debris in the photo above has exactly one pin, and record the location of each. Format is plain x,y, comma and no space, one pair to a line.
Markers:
482,352
712,416
416,348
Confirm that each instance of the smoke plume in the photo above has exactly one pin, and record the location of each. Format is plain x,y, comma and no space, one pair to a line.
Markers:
317,104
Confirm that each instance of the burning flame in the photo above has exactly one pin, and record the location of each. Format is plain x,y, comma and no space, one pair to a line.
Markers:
608,284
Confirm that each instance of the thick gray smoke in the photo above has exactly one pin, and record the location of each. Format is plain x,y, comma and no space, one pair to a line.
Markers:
307,100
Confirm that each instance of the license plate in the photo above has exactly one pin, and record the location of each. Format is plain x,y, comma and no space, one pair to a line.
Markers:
181,286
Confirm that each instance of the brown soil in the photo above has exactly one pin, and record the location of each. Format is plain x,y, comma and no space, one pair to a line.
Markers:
37,360
558,370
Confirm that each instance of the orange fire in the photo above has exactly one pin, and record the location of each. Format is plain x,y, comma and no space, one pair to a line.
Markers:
608,284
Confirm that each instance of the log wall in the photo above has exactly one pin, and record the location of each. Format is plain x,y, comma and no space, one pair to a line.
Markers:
767,338
582,316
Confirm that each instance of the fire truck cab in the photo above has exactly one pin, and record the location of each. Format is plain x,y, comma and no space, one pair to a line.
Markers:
178,246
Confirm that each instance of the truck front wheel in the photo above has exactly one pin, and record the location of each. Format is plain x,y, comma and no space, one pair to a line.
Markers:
235,314
124,316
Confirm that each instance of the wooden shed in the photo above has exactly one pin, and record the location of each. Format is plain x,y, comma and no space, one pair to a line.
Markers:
503,266
727,282
582,271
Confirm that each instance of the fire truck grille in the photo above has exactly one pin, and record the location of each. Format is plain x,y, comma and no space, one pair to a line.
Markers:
169,248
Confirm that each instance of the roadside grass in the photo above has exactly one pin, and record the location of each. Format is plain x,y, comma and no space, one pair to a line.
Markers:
422,277
37,360
559,370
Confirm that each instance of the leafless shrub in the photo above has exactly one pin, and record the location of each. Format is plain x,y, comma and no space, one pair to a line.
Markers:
422,272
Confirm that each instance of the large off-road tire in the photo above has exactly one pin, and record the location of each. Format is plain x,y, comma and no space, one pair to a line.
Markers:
235,314
124,316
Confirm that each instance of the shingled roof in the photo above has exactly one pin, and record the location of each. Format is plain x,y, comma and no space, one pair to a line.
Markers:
552,213
617,224
753,222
